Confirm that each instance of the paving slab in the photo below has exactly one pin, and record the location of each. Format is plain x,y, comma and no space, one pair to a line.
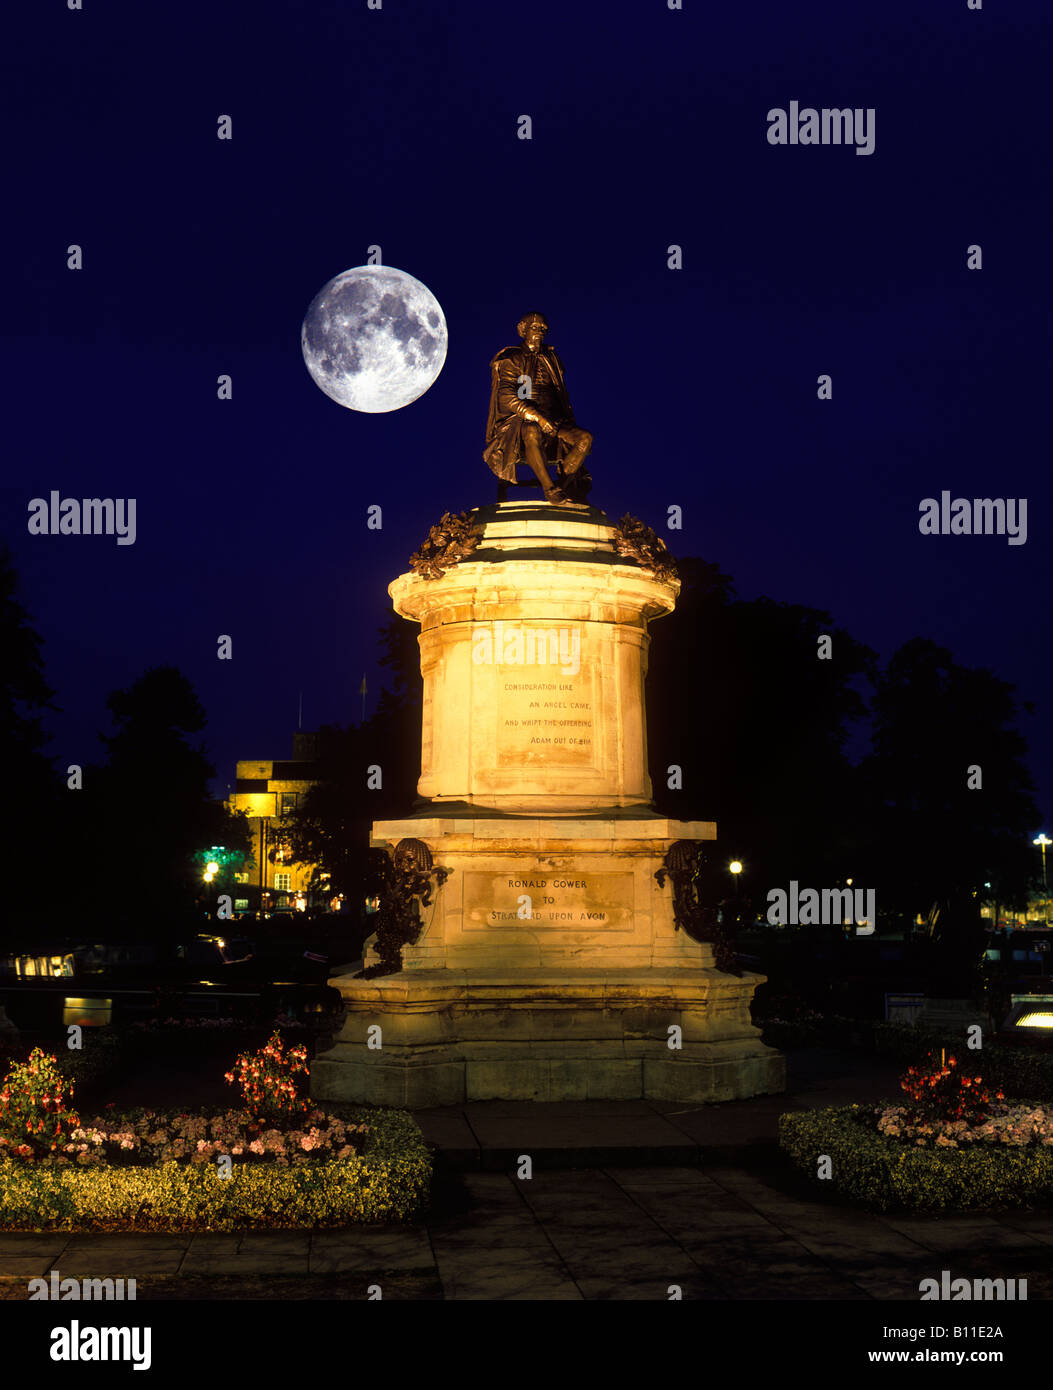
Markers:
129,1240
580,1139
890,1281
496,1249
275,1242
947,1234
32,1266
111,1263
738,1130
1037,1224
516,1109
602,1235
251,1252
371,1249
215,1240
235,1262
633,1179
691,1288
448,1129
31,1243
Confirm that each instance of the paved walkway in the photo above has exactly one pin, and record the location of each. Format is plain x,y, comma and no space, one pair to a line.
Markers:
490,1135
625,1200
614,1233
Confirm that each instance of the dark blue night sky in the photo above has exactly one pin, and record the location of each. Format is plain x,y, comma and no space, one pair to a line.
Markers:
398,127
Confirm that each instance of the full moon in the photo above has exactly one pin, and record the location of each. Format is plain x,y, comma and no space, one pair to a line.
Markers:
374,338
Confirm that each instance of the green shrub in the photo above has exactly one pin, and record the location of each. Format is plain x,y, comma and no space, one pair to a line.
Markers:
885,1174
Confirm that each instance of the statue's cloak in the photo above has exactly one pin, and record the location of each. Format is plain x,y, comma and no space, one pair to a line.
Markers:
504,425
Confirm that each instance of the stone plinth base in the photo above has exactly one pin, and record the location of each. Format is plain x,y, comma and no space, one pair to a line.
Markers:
449,1036
527,893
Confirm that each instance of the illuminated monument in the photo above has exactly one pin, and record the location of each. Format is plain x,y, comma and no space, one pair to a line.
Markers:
558,955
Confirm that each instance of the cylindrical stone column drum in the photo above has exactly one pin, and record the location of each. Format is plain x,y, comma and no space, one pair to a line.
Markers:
534,653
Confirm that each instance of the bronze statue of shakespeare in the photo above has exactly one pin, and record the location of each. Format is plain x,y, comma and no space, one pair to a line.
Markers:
531,420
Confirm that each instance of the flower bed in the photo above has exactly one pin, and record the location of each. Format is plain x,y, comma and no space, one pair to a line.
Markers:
280,1162
1014,1125
887,1172
144,1137
950,1144
386,1179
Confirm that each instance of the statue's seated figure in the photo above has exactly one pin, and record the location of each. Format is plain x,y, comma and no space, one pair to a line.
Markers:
531,419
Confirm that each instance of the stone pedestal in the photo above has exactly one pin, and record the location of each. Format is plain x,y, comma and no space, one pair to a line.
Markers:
533,654
549,965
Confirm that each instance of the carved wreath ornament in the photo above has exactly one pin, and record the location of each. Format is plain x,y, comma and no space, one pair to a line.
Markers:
686,863
410,879
449,542
636,540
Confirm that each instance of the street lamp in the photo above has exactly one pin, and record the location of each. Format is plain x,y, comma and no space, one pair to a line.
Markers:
735,869
1042,840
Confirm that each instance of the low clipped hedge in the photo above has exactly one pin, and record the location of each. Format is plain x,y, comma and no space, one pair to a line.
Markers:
389,1181
884,1174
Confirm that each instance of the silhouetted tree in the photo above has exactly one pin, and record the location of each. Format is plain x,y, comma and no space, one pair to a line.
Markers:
32,838
740,700
937,841
149,810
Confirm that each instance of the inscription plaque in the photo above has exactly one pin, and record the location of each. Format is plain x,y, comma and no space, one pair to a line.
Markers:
545,699
577,900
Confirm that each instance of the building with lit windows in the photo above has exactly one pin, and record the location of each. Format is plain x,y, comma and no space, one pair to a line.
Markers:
264,791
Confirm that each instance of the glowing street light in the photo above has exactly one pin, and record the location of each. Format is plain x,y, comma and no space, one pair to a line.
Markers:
735,869
1042,840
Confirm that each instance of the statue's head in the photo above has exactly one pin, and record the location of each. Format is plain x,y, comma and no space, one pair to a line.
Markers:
532,329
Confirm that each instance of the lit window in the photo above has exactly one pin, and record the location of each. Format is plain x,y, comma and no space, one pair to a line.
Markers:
282,882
